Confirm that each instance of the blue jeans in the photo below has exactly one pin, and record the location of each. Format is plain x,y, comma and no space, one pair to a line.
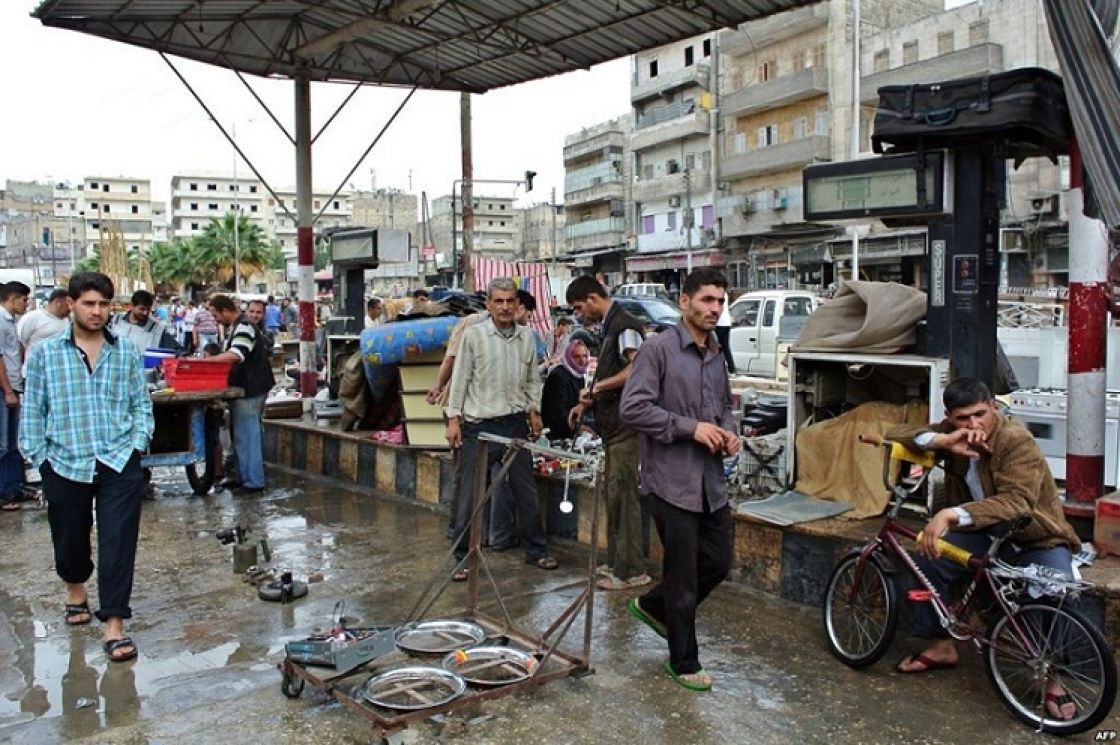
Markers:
942,572
245,421
11,461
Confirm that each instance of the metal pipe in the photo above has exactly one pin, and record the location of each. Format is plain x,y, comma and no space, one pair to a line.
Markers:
305,240
468,188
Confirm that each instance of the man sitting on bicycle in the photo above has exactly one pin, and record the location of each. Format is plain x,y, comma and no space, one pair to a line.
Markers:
996,473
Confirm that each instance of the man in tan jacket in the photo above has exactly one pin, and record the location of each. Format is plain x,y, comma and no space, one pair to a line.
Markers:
995,472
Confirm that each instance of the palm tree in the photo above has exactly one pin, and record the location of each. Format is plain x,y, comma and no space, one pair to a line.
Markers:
212,254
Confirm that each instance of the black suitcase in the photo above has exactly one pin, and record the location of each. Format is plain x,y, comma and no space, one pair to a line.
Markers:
1023,110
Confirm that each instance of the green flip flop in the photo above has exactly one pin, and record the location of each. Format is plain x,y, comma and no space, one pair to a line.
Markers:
680,680
637,612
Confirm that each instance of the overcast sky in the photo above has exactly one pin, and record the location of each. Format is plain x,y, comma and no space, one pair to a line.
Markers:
76,105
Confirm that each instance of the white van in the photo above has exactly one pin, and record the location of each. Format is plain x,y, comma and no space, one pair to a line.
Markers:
643,289
759,321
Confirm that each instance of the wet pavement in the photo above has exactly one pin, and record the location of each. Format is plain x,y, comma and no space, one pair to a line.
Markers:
209,648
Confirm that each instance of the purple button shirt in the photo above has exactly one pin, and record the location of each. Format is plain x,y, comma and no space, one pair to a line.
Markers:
675,384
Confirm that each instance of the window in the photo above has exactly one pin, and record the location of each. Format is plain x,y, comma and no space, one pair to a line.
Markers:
647,171
134,189
336,206
194,187
194,226
490,223
706,160
688,57
671,166
910,52
767,70
820,123
707,47
768,313
672,220
690,162
767,136
799,60
316,204
978,32
252,188
135,210
881,61
135,248
194,206
503,206
104,187
58,205
211,187
93,206
653,68
740,142
502,223
104,208
945,42
800,127
489,206
745,313
820,55
95,225
213,206
271,202
93,185
252,208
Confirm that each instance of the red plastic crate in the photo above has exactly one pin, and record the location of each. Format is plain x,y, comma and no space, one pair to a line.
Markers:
184,374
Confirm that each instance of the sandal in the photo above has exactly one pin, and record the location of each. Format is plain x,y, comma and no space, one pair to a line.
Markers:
461,575
697,681
112,645
546,563
927,664
639,613
9,505
611,582
74,611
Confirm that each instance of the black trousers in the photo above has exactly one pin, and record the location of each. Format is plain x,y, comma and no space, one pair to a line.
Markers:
70,506
697,557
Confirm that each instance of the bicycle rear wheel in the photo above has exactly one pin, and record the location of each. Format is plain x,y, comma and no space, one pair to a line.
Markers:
860,611
1041,644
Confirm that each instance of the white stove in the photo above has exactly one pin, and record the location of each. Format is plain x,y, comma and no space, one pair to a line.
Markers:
1043,412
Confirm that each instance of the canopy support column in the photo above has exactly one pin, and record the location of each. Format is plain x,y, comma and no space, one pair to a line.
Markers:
305,241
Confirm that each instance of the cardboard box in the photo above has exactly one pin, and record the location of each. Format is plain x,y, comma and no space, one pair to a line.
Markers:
1106,526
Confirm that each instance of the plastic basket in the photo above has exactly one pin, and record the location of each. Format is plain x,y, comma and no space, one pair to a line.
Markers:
197,374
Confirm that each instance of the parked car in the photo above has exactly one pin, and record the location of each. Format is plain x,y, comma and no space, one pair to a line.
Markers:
760,321
656,314
643,289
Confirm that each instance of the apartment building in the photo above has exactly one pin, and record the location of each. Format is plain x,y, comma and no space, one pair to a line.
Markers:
542,232
598,181
330,212
497,227
198,198
117,203
384,208
673,215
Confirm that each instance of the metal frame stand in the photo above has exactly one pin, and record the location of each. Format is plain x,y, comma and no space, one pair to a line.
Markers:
554,663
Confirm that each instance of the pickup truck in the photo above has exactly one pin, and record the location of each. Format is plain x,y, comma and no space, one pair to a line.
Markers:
760,321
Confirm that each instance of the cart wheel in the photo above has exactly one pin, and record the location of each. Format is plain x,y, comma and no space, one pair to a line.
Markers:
201,482
291,685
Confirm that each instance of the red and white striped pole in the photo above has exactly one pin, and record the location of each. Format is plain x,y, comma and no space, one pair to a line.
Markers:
1088,277
305,242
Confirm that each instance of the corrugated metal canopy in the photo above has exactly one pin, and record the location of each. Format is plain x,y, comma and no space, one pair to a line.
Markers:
471,45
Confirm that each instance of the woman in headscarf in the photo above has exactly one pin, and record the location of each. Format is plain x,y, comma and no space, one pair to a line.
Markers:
561,390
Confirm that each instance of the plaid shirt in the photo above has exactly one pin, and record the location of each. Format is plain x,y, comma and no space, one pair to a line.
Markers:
74,418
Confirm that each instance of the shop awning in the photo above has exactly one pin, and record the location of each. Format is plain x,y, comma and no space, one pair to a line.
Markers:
887,245
467,45
652,263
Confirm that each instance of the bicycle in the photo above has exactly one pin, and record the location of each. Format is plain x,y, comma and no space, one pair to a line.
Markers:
1033,640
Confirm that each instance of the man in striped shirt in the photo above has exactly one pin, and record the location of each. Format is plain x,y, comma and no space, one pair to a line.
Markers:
495,389
86,419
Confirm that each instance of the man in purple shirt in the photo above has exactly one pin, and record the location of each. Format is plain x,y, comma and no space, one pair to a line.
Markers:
679,399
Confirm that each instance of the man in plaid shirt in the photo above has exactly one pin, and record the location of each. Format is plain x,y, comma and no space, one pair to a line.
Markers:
86,419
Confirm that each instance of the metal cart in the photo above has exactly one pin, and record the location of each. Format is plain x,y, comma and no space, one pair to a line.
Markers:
552,663
186,434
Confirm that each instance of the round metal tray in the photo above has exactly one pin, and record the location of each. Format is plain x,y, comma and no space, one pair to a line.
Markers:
412,688
491,666
438,637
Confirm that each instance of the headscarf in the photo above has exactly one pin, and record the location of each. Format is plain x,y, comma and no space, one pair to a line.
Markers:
569,361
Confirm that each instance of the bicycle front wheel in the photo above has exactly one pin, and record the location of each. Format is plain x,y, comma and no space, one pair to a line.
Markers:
1044,649
860,611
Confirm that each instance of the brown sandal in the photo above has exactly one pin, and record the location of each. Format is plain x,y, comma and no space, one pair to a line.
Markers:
547,563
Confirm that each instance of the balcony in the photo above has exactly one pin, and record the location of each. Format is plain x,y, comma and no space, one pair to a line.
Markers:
800,86
760,212
767,31
781,157
686,77
982,59
593,234
653,189
665,240
593,143
597,182
679,128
